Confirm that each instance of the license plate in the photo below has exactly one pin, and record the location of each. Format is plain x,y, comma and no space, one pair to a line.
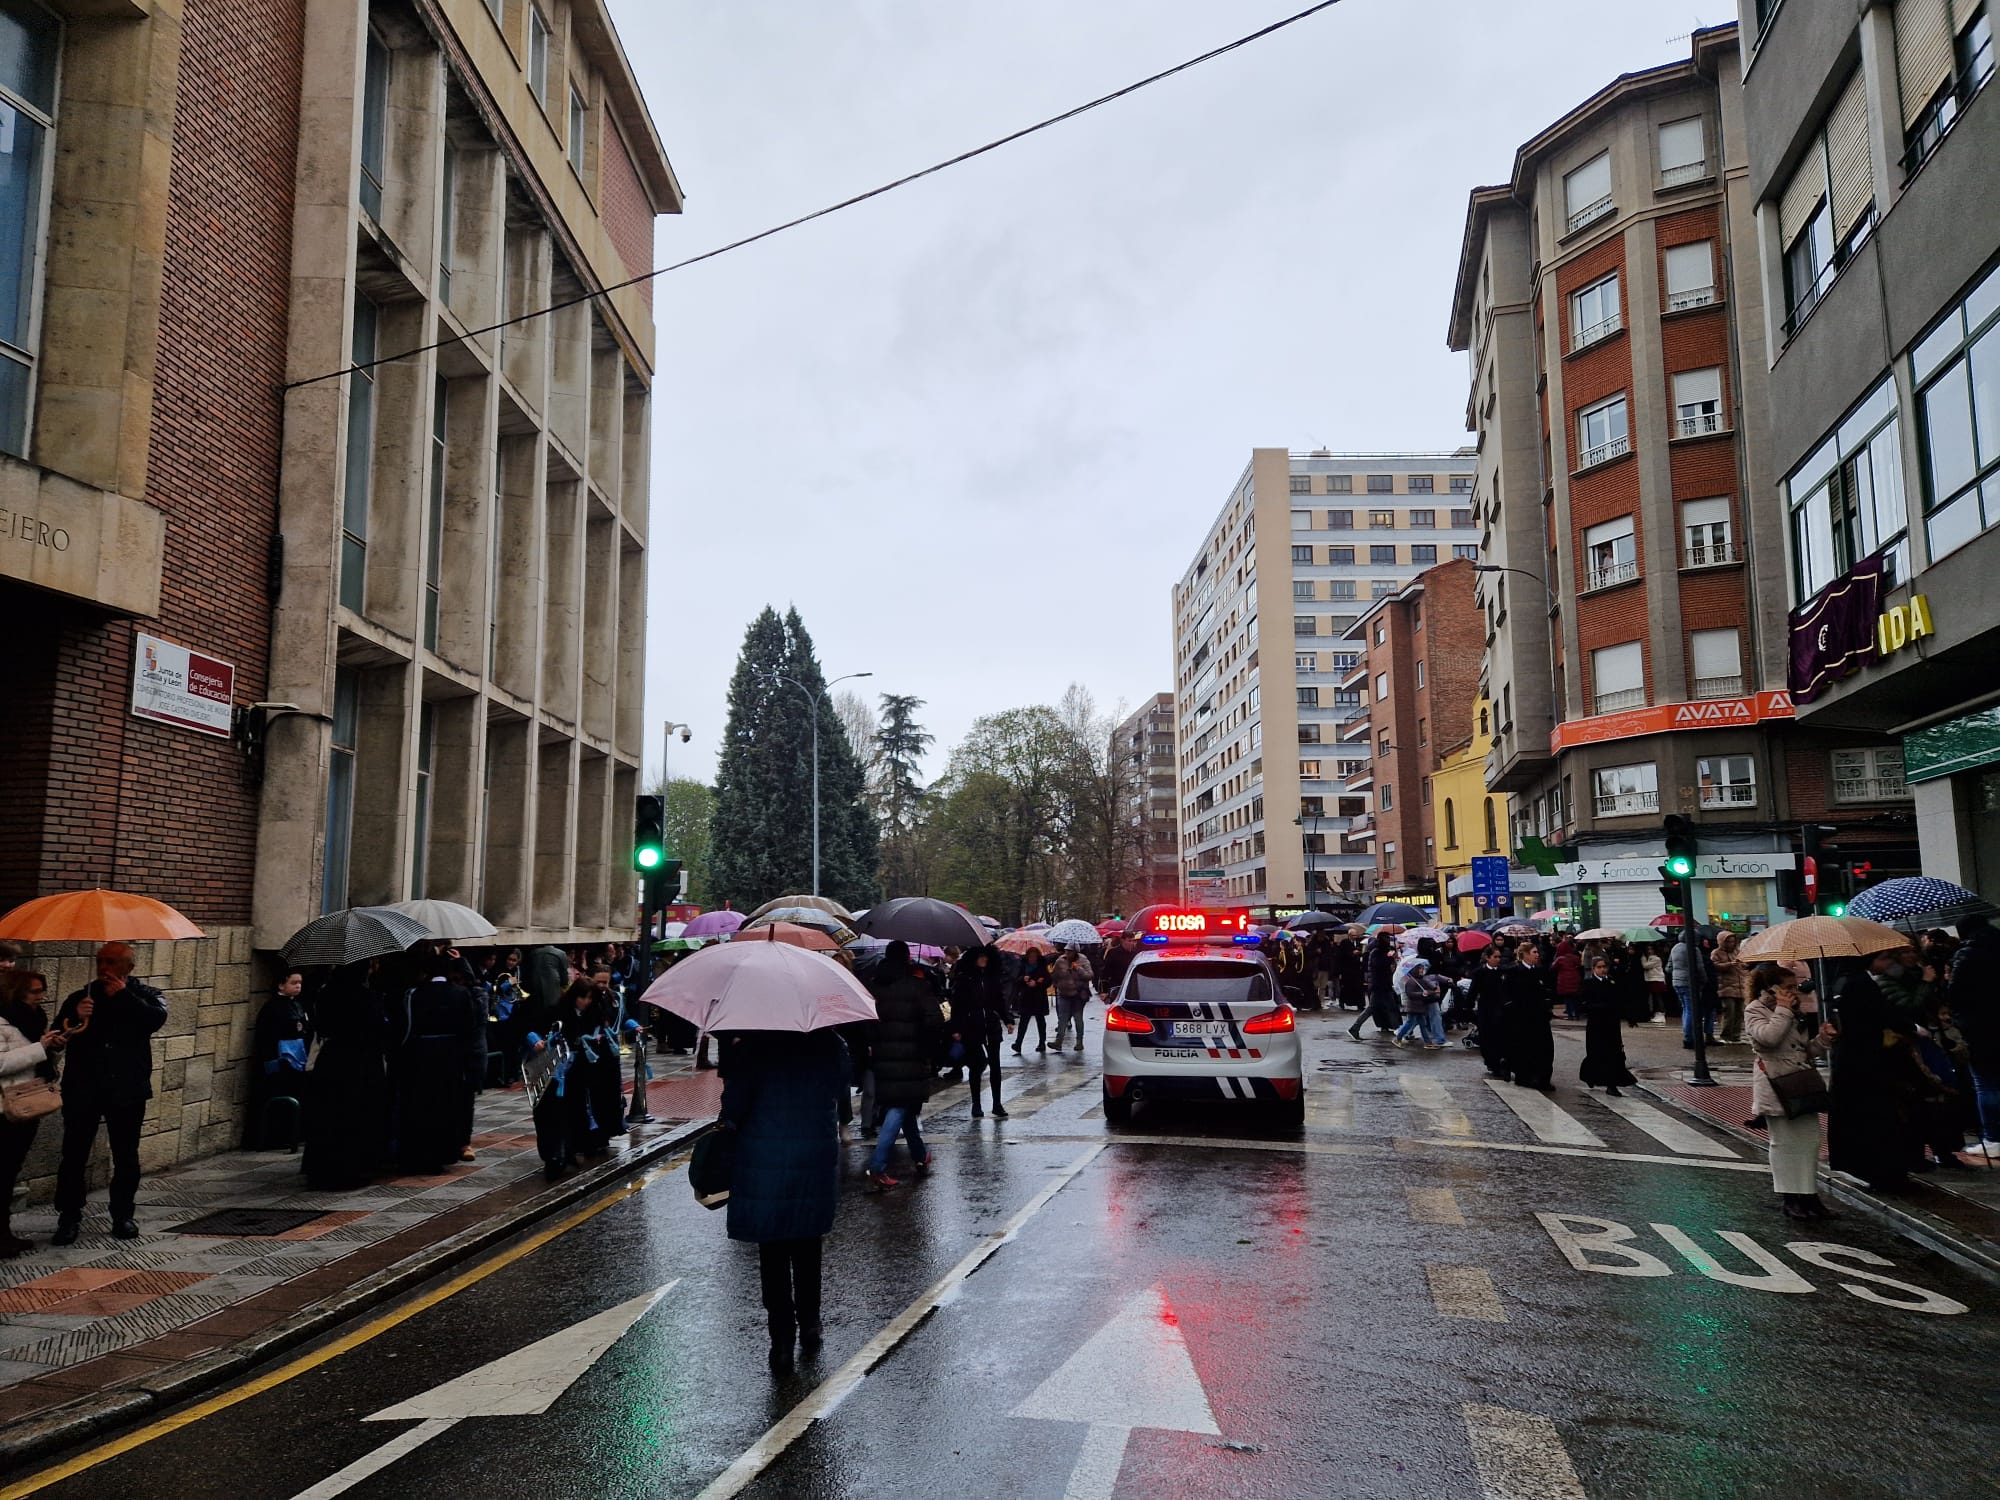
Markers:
1201,1028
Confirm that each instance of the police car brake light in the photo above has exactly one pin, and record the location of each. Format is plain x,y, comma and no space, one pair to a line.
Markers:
1118,1018
1284,1018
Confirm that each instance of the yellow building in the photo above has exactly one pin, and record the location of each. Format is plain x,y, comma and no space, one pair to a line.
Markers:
1470,820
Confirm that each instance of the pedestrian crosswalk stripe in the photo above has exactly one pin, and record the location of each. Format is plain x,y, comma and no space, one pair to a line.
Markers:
1435,1206
1664,1128
1465,1292
1330,1104
1520,1456
1548,1120
1429,1096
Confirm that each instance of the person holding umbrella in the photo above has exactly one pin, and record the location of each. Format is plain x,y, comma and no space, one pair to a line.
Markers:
978,1007
909,1022
107,1079
1033,1003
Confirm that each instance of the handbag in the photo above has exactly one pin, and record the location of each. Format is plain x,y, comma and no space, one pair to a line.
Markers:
712,1168
1802,1092
29,1100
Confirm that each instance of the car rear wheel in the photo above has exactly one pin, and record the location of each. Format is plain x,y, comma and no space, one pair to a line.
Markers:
1292,1112
1118,1111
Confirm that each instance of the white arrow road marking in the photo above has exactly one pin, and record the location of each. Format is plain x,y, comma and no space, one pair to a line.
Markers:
525,1383
1133,1372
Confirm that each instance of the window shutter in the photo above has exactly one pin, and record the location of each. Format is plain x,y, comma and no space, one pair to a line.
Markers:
1610,531
1690,267
1802,194
1680,144
1587,184
1847,158
1692,387
1704,512
1717,653
1923,53
1617,669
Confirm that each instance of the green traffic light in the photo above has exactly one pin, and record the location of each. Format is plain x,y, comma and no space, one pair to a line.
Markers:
647,859
1680,865
1838,909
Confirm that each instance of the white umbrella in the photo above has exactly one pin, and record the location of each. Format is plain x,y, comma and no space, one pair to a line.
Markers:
767,986
448,920
1076,931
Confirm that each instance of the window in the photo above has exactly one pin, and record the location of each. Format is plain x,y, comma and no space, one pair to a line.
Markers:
1610,554
420,822
1683,157
1383,555
358,481
1340,520
1625,790
1381,632
1302,520
1846,500
1595,313
1465,551
1601,434
538,55
1698,403
1956,369
1827,208
340,789
1347,702
1727,780
1381,520
1308,697
1424,738
1420,672
1302,484
1345,661
1939,72
579,119
1382,745
447,217
374,124
1705,525
1587,193
1305,661
1388,856
1421,484
30,44
1309,770
1381,588
1717,657
1302,589
1450,825
1313,807
1423,553
1340,556
1461,484
1492,829
1422,518
1872,775
494,8
1340,484
1343,588
1690,275
1304,625
434,516
1309,734
1382,688
1388,797
1461,520
1618,678
1381,484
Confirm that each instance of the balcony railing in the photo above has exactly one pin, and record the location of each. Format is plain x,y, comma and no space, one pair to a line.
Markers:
1698,425
1694,296
1736,795
1719,687
1693,171
1603,453
1599,331
1870,789
1611,574
1624,804
1590,213
1620,701
1710,554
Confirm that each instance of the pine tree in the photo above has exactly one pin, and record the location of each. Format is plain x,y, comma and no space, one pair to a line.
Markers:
899,795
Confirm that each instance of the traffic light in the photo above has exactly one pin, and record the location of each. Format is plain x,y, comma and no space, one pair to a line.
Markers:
649,835
1680,847
1836,908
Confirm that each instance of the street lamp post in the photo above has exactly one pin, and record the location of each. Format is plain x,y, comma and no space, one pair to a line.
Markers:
666,751
814,699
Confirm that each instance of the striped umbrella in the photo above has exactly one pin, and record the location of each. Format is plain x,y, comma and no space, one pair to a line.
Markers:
346,937
1919,901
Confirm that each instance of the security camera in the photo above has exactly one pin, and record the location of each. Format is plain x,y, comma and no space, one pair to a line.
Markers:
685,735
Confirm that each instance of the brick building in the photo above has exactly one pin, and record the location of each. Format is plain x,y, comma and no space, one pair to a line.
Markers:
1611,298
1142,757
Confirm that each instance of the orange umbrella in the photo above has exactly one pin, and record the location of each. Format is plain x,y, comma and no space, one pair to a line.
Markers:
1025,943
95,917
789,932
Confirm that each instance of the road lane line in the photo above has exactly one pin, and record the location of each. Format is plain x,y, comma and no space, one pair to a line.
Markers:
1435,1206
1547,1119
1520,1456
1638,1156
838,1386
1465,1292
380,1458
1330,1104
1391,1145
402,1313
1664,1128
1430,1096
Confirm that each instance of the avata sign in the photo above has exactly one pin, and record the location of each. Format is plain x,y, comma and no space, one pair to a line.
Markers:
1666,718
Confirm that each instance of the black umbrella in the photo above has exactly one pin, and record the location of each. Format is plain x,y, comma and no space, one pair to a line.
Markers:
348,937
924,919
1393,911
1307,920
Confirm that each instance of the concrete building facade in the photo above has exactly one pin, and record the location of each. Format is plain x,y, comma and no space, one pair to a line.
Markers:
1301,546
1142,751
1873,134
1611,300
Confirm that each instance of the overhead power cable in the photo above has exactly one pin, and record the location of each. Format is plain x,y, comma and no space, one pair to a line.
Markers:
834,208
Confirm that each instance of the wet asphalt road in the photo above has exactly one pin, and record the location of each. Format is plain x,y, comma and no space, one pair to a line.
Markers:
1368,1308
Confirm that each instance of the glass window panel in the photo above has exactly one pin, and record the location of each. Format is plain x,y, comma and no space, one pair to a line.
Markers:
1937,348
1983,301
30,42
1875,408
14,381
1885,465
21,157
1985,360
1947,424
1955,525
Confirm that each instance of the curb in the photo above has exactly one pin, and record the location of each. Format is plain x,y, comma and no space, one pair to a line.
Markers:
37,1436
1980,1257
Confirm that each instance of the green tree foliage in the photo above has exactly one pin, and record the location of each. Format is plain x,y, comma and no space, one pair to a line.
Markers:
900,743
761,830
690,804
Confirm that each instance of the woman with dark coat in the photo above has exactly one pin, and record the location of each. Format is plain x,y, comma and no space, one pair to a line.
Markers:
1488,996
1603,1042
1383,1002
1033,1002
1531,1042
1873,1120
1347,973
781,1095
434,1091
978,1014
908,1023
359,1022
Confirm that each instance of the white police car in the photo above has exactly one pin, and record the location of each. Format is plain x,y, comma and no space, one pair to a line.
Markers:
1199,1016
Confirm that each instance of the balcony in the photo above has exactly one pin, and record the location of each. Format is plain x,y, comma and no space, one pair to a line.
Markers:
1712,554
1870,789
1598,332
1742,795
1701,424
1611,575
1694,296
1627,804
1719,687
1681,176
1590,213
1604,452
1619,702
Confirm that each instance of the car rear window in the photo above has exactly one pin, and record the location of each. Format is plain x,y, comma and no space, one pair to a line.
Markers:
1192,982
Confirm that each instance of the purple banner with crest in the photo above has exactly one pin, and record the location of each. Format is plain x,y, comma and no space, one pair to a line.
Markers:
1833,634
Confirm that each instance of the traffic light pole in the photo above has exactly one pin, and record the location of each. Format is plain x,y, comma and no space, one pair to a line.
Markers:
1702,1078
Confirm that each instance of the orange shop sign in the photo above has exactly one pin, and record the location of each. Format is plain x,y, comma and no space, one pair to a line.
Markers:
1666,718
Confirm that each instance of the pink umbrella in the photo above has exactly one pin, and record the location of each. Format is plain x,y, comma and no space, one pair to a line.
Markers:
714,924
767,986
1114,927
1472,942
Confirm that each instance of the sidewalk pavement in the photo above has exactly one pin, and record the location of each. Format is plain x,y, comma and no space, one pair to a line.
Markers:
105,1331
1955,1211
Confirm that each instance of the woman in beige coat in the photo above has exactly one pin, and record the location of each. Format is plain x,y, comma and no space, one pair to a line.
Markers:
1731,977
1781,1047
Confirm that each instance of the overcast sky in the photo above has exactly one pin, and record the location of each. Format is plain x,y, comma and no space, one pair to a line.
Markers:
974,430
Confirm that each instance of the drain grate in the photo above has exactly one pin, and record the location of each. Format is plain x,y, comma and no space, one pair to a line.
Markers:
251,1223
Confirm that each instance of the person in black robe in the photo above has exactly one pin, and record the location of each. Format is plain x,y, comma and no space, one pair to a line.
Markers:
591,1110
1603,1041
1874,1118
279,1044
1488,997
435,1089
1352,986
545,1073
347,1089
1531,1040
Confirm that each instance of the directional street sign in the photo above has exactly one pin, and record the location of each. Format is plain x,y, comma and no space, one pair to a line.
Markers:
525,1383
1133,1372
1491,880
